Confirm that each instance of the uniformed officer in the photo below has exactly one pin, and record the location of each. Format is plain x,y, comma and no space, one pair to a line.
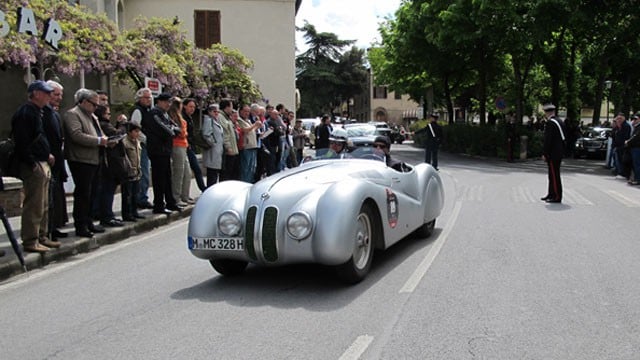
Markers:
552,151
433,133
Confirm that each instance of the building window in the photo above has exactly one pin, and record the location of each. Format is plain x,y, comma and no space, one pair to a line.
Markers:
397,95
207,28
379,92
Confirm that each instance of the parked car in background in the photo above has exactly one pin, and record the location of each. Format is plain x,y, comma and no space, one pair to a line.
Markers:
363,135
309,126
593,143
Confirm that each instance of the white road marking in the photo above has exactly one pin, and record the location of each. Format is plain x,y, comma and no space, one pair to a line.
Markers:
628,202
424,266
575,197
357,348
58,268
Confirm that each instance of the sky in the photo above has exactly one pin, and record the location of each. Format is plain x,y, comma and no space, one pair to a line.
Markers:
349,19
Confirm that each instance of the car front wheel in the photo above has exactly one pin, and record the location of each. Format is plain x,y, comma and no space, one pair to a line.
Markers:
358,266
228,267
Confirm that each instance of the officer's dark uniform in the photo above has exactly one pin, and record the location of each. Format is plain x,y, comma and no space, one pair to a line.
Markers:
553,150
433,133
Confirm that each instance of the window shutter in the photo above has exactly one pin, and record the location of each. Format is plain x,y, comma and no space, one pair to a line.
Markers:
207,28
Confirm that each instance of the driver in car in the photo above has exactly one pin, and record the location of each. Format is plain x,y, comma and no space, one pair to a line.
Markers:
382,147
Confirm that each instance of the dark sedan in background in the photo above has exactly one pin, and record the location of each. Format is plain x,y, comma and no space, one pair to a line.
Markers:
593,143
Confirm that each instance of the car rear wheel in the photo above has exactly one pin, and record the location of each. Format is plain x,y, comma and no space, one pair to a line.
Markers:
228,267
358,266
426,229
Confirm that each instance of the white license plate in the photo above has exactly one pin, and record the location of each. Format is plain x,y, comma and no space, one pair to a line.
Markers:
223,244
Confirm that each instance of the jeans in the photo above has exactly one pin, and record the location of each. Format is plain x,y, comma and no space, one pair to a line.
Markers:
248,164
129,201
195,167
143,186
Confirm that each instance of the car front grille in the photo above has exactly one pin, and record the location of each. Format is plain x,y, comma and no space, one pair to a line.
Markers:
593,144
268,235
269,226
250,232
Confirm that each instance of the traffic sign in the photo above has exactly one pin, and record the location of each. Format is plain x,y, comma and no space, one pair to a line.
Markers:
154,85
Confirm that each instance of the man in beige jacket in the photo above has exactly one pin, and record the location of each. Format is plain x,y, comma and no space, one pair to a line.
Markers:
84,140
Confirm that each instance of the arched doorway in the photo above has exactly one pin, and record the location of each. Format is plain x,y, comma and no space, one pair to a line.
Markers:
380,114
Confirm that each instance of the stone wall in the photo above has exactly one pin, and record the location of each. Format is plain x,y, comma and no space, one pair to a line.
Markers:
11,196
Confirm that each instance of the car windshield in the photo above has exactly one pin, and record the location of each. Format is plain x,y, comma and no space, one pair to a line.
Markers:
595,133
367,153
360,130
366,130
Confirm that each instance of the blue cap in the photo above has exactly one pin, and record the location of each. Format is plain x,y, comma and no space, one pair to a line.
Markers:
39,85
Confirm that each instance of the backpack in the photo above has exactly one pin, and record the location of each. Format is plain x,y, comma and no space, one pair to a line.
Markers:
9,165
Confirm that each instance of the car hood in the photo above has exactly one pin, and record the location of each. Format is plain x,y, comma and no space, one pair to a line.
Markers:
317,174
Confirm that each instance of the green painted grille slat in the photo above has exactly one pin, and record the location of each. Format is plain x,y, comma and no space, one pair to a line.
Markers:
269,246
249,232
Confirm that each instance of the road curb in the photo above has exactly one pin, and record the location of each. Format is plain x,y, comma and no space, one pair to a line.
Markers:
75,245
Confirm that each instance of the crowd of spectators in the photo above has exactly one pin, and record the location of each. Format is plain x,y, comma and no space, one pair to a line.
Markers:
625,148
158,142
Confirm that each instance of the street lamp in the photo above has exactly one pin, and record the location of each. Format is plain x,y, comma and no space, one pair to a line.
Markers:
607,85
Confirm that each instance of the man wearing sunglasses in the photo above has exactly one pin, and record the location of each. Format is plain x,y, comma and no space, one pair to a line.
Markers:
382,147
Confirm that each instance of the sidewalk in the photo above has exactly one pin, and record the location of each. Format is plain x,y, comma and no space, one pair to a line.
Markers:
73,245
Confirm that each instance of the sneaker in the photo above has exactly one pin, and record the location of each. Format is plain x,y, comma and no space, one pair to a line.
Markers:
180,204
189,201
50,243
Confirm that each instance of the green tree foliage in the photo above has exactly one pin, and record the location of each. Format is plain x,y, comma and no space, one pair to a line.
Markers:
326,75
164,52
528,51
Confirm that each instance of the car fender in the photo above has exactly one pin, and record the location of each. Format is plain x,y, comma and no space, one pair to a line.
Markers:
227,195
334,236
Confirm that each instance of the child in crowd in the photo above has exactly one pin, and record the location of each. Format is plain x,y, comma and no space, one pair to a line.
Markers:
130,187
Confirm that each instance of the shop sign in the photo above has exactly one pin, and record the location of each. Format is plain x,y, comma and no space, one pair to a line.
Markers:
27,25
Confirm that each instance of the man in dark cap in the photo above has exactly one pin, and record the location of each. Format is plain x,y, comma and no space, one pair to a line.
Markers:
382,146
433,133
34,156
160,132
552,151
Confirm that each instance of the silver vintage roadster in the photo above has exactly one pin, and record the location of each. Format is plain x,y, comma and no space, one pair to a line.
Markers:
328,211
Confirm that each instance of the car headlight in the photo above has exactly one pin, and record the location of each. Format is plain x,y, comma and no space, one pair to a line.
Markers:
229,223
299,225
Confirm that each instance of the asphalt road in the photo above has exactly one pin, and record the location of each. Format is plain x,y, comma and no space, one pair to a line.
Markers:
504,276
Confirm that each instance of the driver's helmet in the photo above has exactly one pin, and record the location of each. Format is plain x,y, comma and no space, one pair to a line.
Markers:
339,135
